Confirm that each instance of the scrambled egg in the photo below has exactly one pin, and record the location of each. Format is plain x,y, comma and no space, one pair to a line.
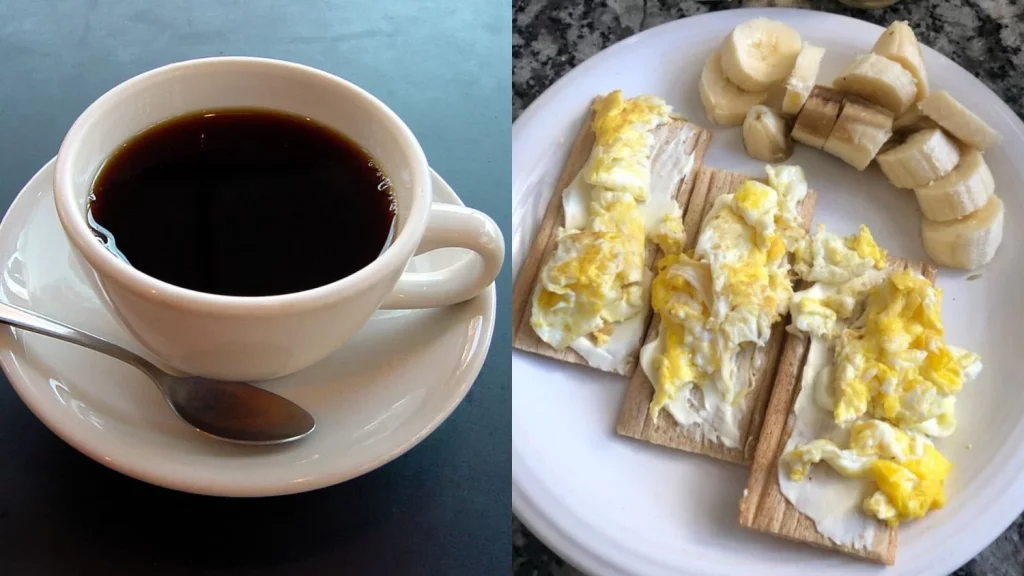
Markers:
724,299
843,269
595,278
893,364
892,378
824,257
621,159
680,294
592,278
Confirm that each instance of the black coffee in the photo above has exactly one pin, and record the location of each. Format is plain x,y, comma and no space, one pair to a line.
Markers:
243,203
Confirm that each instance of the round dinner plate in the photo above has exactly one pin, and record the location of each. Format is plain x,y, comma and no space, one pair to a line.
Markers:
375,398
611,505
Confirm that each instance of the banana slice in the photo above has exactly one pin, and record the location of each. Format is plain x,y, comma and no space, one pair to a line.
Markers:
725,103
961,192
913,120
967,243
818,117
899,44
860,131
759,53
801,79
880,80
959,121
765,135
923,158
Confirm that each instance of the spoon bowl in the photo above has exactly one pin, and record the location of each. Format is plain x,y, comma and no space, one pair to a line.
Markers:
231,411
236,411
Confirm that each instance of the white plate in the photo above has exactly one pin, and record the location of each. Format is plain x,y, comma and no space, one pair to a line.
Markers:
616,506
374,399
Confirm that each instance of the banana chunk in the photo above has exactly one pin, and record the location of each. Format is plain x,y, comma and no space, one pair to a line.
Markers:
725,103
760,53
880,80
899,44
801,79
818,117
967,243
959,121
962,191
860,131
765,135
924,157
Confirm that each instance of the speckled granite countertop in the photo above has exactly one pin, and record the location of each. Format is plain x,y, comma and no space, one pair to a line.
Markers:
551,37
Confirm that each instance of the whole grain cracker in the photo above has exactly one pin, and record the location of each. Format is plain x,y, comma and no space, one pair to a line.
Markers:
763,507
634,418
544,243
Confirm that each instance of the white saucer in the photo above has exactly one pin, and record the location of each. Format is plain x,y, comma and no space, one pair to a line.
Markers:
374,399
614,506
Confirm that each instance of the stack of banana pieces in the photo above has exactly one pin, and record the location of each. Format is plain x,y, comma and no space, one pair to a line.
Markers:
878,109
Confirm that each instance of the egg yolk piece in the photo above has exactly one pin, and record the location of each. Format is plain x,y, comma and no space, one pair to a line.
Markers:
911,489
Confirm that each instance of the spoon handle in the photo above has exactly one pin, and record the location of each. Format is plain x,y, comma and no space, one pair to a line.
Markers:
21,318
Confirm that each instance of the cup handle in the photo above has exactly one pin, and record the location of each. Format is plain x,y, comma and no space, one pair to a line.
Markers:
451,226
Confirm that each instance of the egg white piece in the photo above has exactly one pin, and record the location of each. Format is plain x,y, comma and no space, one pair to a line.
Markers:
622,342
935,427
832,501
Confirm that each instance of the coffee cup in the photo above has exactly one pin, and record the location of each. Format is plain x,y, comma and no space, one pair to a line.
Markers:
263,337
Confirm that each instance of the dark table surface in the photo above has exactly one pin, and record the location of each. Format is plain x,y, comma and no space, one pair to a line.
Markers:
441,65
551,37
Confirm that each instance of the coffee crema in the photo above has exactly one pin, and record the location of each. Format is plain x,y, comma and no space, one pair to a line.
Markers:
243,202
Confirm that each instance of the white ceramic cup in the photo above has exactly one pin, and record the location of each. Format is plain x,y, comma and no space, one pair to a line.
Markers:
258,338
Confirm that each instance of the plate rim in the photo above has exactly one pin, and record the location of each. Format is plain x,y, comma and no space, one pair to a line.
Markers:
989,523
21,382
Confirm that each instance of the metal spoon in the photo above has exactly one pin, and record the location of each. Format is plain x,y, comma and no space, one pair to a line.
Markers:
232,411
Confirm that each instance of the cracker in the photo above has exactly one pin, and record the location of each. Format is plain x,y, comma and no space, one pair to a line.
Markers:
634,418
763,506
523,336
